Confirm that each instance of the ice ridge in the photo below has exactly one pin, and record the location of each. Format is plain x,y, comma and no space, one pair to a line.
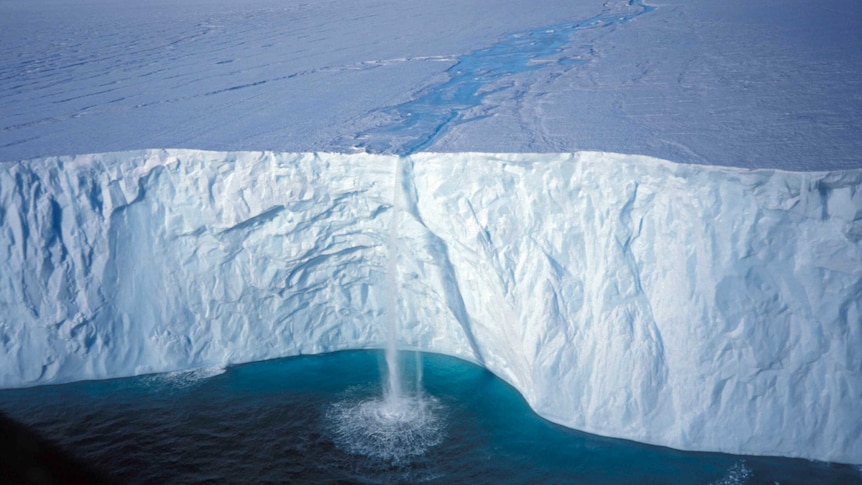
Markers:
696,307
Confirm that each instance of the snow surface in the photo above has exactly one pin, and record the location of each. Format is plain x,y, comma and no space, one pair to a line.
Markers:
696,307
688,306
770,84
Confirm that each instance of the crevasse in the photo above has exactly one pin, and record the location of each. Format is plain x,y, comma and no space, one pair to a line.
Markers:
695,307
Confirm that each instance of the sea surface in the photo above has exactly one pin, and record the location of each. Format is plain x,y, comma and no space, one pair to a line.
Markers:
304,420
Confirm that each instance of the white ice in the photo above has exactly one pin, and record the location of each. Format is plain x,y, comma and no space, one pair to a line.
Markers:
694,307
771,83
686,305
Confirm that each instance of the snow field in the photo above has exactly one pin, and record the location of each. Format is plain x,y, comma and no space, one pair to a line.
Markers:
767,84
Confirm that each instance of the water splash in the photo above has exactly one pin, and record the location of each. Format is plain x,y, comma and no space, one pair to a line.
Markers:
393,430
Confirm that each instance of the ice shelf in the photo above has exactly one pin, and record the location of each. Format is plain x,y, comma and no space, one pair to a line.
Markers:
696,307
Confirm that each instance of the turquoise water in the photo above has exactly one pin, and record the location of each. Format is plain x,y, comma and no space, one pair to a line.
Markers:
289,420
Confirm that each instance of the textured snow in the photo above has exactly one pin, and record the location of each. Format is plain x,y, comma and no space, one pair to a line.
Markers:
765,84
695,307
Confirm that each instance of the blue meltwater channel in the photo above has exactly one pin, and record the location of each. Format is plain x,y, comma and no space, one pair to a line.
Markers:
419,122
299,420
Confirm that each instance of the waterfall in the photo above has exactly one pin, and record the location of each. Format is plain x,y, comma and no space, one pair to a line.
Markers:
393,389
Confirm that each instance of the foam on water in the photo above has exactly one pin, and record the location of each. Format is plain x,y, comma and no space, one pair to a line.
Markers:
389,429
184,378
738,474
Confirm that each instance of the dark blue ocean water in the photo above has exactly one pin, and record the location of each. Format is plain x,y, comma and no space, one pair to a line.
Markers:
289,421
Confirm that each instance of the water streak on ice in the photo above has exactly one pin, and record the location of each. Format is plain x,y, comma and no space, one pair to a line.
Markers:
393,392
416,124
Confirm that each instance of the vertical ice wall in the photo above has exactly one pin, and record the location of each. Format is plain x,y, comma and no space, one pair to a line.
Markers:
701,308
694,307
128,263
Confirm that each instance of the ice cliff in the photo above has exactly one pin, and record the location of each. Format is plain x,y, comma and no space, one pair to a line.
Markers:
695,307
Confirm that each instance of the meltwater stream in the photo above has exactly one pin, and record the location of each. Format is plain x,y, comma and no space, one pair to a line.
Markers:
281,421
419,122
403,422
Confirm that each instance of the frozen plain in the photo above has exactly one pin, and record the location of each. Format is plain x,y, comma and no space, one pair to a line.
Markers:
767,84
689,306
